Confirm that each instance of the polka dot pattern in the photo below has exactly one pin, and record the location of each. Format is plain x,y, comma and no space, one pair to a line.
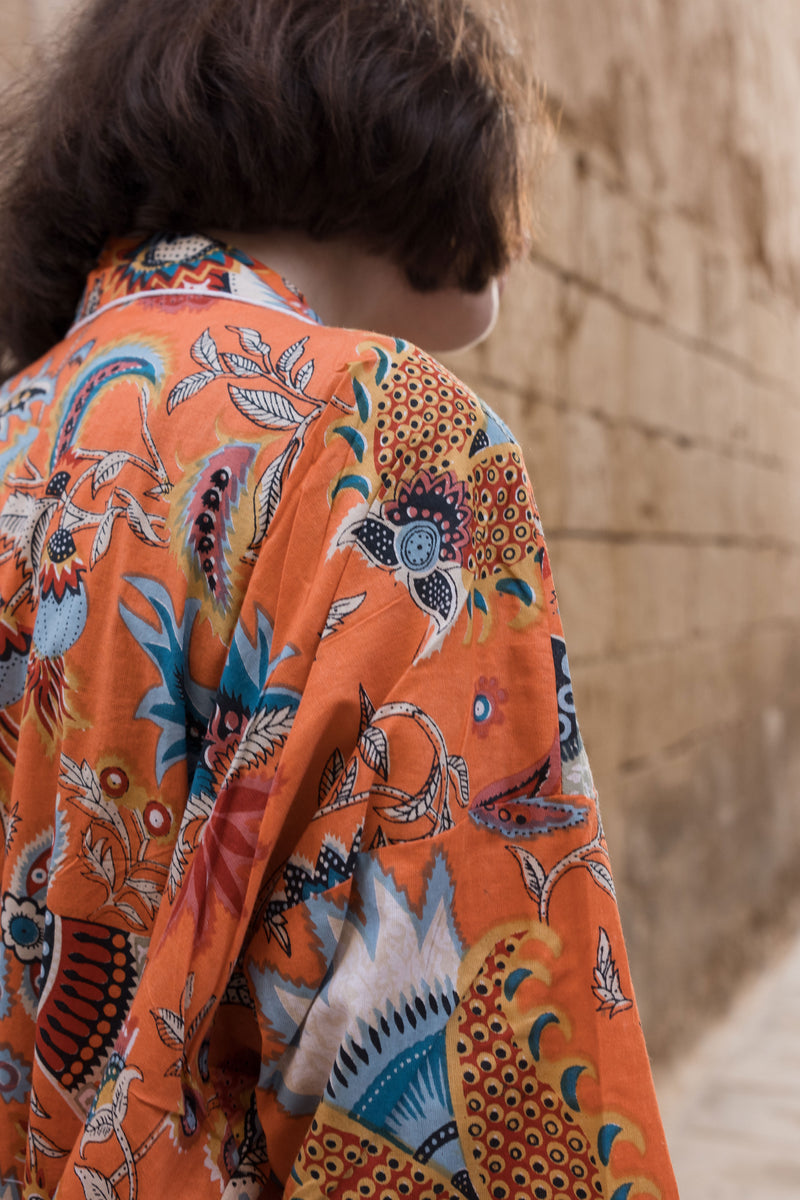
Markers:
351,1166
505,529
522,1139
424,416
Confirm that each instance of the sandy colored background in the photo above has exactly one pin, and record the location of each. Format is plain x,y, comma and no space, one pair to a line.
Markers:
647,357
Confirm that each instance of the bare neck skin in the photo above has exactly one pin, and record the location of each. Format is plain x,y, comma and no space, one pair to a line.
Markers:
349,287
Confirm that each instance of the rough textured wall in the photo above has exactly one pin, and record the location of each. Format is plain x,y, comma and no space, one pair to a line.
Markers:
647,359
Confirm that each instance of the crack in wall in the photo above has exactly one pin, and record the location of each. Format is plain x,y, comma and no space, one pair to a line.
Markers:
693,342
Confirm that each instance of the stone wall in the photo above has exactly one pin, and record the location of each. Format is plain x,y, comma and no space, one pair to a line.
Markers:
646,357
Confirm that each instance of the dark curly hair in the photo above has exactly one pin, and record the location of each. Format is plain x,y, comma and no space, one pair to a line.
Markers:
407,124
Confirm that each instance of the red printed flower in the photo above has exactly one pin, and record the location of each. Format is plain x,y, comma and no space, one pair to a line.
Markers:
430,514
157,818
486,707
114,782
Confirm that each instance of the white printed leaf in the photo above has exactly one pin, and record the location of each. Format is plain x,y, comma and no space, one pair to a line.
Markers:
339,610
138,519
108,469
266,730
268,494
198,1020
374,749
36,1106
237,364
170,1027
88,777
119,1101
102,538
607,987
270,410
533,875
187,387
83,781
95,1186
303,377
130,913
45,1146
71,775
251,340
602,876
204,352
198,809
37,541
18,516
24,522
148,889
100,1127
367,709
419,805
107,866
291,355
333,769
345,794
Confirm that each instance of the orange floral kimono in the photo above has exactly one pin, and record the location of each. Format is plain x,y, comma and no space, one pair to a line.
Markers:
304,887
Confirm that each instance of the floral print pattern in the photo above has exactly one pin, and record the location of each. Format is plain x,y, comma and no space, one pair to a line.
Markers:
22,922
304,884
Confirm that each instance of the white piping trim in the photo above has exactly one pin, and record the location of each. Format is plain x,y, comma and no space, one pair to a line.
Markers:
154,293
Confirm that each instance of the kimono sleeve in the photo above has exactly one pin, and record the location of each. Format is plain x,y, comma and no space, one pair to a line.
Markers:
437,967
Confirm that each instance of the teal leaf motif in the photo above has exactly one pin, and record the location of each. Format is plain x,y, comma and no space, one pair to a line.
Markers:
514,980
605,1140
383,365
517,587
178,699
535,1035
363,400
355,440
358,482
569,1083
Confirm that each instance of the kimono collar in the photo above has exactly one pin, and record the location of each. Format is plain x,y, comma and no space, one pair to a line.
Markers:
172,264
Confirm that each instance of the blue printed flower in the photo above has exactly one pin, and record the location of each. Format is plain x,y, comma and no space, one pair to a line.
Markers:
22,923
421,535
15,1079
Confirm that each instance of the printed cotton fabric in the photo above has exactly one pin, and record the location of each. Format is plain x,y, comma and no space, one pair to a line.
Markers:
304,887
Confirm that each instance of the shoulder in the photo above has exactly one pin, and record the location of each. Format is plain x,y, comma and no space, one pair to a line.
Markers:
433,489
410,417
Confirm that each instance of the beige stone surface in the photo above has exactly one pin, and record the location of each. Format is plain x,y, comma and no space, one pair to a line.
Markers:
648,357
732,1108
